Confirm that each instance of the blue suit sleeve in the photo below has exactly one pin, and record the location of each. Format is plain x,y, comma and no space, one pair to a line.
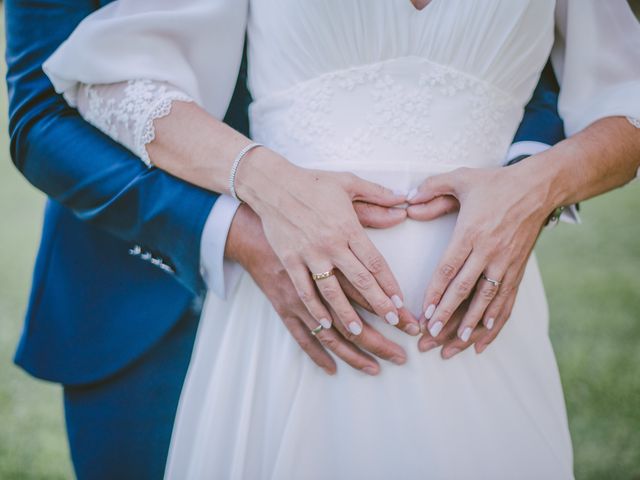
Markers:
78,166
541,122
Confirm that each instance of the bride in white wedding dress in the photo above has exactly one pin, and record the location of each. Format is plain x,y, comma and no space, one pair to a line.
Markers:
395,95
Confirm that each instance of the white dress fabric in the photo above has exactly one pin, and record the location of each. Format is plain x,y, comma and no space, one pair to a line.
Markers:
394,95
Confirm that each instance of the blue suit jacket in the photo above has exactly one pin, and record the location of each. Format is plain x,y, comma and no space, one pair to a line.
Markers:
95,307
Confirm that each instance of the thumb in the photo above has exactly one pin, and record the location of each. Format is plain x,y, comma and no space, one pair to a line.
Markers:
434,208
436,186
375,216
369,192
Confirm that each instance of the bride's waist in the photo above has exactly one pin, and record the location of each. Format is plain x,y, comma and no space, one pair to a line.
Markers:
404,115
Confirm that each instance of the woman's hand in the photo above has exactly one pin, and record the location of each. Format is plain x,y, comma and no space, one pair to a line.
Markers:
501,214
310,222
247,245
502,211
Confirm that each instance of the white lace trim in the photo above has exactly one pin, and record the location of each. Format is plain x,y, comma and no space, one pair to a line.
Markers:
634,121
160,110
126,111
342,118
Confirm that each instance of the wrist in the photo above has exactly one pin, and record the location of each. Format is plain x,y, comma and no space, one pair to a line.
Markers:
246,242
547,180
243,227
260,176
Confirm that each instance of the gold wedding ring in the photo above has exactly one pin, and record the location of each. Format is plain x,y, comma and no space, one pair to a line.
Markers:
323,275
495,283
316,330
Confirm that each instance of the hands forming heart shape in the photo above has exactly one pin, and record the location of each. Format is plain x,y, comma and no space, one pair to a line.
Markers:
469,298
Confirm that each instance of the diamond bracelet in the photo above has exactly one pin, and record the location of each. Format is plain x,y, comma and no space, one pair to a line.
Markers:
236,164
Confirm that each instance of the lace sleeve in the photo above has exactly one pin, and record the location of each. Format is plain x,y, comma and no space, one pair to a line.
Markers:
126,111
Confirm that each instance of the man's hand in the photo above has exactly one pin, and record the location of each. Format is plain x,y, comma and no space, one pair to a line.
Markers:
247,245
499,221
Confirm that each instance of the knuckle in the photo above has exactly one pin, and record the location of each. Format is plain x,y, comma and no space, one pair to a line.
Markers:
434,296
350,229
488,292
305,343
445,313
345,230
382,305
463,287
282,312
447,271
330,292
287,319
305,295
375,264
363,280
506,290
325,242
331,343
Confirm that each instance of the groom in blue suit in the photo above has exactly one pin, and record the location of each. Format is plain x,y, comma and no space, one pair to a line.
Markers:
117,287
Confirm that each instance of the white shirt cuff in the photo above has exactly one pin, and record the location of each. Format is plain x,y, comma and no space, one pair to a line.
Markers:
525,148
570,214
219,273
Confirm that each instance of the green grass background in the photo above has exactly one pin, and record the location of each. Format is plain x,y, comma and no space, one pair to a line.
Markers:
592,276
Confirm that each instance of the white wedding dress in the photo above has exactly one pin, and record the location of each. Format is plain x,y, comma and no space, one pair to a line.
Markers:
394,95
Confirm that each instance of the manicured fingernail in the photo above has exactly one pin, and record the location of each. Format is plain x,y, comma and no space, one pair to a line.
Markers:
427,345
490,323
392,318
412,193
466,334
436,329
429,311
397,301
398,360
447,354
326,323
355,328
370,370
412,329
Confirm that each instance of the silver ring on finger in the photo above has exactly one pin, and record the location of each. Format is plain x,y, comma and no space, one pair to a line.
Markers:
495,283
316,330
